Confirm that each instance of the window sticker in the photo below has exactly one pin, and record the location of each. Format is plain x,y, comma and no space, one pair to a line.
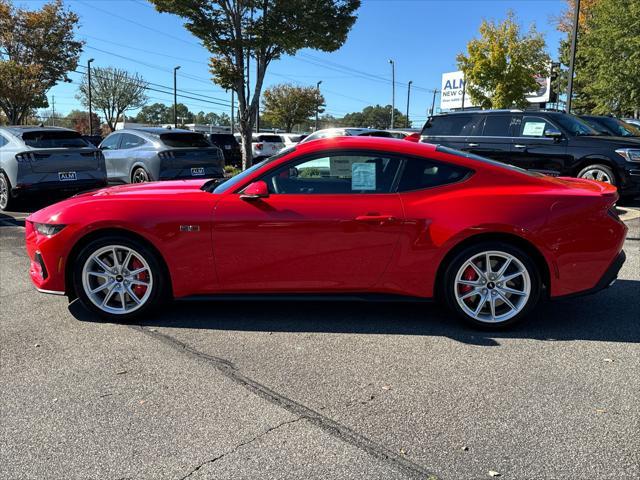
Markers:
533,129
363,176
340,166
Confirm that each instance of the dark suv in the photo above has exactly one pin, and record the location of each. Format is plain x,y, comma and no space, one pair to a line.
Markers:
229,146
549,142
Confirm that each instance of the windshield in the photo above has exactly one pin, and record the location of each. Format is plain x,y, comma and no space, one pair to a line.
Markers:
53,139
620,128
227,184
574,125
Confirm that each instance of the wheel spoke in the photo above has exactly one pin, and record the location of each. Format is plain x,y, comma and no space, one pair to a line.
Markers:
122,301
116,263
492,304
470,294
488,262
108,296
505,289
504,267
483,300
477,270
511,277
101,287
127,259
506,300
106,276
470,283
139,282
136,272
132,294
101,264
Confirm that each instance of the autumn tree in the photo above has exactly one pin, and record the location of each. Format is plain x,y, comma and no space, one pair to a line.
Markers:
286,105
245,36
37,50
375,116
79,121
113,91
500,66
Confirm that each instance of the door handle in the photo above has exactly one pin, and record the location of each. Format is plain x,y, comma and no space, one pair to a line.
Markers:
472,144
375,218
520,146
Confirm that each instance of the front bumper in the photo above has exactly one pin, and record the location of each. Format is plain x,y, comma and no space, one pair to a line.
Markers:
630,184
47,256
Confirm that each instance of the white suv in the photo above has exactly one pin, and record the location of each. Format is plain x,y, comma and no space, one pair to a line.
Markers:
264,145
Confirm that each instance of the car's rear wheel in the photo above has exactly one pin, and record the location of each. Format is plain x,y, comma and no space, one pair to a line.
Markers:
7,202
601,173
492,285
118,278
139,175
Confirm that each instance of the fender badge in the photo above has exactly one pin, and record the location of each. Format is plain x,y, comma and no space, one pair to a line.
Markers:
189,228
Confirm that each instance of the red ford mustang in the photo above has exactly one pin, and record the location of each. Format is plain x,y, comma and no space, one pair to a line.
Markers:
350,217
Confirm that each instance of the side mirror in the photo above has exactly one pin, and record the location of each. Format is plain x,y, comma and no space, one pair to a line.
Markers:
555,134
255,191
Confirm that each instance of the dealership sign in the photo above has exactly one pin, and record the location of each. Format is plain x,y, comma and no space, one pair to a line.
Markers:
453,86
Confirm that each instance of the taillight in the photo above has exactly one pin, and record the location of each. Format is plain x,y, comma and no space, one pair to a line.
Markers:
25,157
259,146
414,137
167,155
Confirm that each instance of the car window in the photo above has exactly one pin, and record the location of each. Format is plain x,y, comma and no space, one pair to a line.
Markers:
574,125
269,138
3,141
422,173
535,127
223,139
53,139
620,128
111,142
335,174
497,126
130,141
184,140
450,125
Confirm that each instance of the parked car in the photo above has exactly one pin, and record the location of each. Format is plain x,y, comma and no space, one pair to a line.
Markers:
347,132
352,216
611,126
151,154
554,143
412,134
291,139
36,159
94,140
633,121
229,145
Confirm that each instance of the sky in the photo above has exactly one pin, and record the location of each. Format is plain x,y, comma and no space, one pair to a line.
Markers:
421,36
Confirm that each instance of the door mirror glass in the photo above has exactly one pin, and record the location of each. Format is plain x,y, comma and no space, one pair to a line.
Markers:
255,190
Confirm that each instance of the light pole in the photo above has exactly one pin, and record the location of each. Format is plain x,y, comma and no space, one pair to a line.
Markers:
408,100
572,64
89,83
317,104
393,90
175,97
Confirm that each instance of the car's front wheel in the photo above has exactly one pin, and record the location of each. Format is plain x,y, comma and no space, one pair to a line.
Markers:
118,278
492,285
601,173
139,175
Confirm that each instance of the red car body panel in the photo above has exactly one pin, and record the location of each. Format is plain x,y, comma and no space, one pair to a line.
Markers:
379,243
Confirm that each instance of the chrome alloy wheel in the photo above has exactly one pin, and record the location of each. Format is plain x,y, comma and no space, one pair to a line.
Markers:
597,174
117,279
4,192
492,286
140,176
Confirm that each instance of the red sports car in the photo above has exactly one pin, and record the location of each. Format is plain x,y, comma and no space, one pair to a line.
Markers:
342,217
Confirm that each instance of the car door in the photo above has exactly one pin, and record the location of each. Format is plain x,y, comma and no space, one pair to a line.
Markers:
534,149
128,155
330,223
109,147
492,137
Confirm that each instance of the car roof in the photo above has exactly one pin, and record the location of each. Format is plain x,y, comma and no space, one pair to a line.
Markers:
374,143
18,130
154,130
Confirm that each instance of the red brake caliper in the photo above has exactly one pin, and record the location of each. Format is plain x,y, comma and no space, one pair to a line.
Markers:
469,274
139,290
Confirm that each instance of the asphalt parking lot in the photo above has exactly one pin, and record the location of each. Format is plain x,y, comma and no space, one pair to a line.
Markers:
317,390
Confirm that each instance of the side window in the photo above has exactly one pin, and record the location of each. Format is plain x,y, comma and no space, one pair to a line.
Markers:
497,126
535,127
130,141
335,174
451,125
420,173
111,142
3,141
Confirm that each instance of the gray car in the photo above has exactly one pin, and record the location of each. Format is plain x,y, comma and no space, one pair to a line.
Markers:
151,154
35,159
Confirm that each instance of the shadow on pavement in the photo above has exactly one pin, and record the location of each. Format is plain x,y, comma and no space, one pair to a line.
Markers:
611,316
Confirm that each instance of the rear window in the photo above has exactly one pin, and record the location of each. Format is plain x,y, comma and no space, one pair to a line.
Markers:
421,173
53,139
377,134
223,138
180,140
450,125
269,138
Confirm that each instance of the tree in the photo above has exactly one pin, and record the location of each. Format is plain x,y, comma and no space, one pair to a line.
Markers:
608,74
286,105
375,117
501,65
155,114
114,91
236,31
37,50
79,121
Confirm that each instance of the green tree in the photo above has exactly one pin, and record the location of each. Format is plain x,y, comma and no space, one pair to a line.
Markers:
375,116
154,114
286,105
37,50
501,65
237,31
114,91
609,76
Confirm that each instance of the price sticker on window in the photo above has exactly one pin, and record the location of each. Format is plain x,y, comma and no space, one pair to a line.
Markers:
363,176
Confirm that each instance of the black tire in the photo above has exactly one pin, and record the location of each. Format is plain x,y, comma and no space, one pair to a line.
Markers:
594,170
159,290
7,201
140,175
449,287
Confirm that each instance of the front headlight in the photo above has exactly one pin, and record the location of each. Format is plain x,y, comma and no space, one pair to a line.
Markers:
48,229
629,154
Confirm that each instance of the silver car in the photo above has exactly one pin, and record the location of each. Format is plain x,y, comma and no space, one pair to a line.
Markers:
34,159
151,154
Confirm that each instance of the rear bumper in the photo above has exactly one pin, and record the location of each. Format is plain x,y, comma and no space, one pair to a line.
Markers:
608,278
57,186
